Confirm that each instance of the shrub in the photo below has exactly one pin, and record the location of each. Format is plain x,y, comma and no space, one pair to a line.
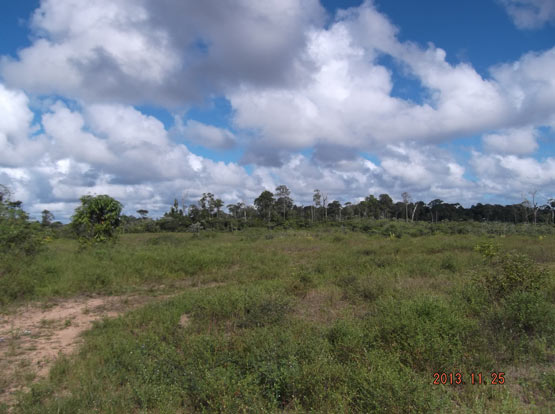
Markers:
97,219
426,333
511,273
528,312
17,235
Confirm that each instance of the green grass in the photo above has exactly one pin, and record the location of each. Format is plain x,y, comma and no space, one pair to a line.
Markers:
320,321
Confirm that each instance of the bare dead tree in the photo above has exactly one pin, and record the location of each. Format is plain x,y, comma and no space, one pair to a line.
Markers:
534,205
406,199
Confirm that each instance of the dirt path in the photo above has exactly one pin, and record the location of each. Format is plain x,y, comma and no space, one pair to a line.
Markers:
33,336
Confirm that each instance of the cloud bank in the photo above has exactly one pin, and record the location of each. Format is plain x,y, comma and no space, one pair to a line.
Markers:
312,106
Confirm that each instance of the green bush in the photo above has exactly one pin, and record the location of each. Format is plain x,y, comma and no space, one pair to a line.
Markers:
427,333
511,273
17,234
97,218
528,313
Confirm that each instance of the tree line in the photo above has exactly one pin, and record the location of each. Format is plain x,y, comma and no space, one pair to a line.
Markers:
98,217
278,208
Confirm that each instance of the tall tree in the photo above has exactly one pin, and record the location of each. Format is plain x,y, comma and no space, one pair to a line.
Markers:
335,209
143,213
371,206
386,204
233,209
284,201
317,200
325,205
264,203
46,218
534,205
207,204
434,208
406,200
218,204
175,211
416,205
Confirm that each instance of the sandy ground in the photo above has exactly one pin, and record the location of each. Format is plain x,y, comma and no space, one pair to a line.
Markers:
33,336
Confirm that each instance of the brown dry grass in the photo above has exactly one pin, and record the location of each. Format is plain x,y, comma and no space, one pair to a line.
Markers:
322,305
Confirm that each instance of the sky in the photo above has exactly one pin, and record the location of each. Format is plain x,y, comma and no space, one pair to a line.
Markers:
151,100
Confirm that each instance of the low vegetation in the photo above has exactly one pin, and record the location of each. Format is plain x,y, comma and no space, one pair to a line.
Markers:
326,320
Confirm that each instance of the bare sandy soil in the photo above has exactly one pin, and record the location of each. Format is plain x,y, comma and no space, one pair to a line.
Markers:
33,336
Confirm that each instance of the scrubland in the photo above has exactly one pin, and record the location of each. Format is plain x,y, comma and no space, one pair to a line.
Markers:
325,320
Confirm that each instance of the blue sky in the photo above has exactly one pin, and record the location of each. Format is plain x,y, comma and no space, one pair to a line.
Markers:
450,100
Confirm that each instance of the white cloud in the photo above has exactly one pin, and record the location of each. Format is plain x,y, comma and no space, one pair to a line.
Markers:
346,101
66,129
293,84
530,14
92,49
116,150
513,141
528,87
511,175
170,52
16,119
204,135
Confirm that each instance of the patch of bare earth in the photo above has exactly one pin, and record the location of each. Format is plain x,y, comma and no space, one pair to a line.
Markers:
33,336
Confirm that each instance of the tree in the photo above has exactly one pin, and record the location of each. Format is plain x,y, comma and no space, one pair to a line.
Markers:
371,206
175,212
283,200
335,209
218,204
434,207
233,209
207,204
419,203
17,235
143,213
47,218
317,200
534,205
236,210
406,200
386,204
325,205
195,214
97,218
264,203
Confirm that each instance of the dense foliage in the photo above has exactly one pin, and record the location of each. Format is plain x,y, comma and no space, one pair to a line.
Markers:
17,234
97,218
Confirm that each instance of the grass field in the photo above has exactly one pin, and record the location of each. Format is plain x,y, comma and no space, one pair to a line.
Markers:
319,321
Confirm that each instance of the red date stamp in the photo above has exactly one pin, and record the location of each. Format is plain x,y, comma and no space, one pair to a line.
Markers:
458,378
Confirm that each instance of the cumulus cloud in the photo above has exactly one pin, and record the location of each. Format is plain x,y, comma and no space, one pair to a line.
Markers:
511,175
111,149
204,135
346,101
530,14
291,80
170,52
307,99
117,150
513,141
16,147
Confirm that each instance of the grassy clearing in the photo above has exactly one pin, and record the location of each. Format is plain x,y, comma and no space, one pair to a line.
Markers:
302,321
